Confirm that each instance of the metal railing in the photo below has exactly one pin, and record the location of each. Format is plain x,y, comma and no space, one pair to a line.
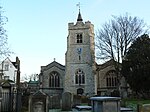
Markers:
10,102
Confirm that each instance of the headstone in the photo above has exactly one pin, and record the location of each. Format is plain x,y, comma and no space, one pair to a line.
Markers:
66,101
55,101
38,102
145,108
38,107
77,100
0,103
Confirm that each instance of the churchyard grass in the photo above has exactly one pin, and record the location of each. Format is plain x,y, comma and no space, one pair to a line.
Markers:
133,103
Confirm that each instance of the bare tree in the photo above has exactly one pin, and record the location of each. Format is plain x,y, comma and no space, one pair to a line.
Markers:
115,37
4,49
32,77
25,78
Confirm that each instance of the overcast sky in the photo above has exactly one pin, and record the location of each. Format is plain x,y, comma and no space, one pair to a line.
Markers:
38,29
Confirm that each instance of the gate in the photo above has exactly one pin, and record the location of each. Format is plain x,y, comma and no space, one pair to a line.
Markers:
10,102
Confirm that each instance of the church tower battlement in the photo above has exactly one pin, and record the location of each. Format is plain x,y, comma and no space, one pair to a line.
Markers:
80,58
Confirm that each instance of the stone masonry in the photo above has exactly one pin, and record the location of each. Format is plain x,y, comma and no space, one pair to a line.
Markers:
80,56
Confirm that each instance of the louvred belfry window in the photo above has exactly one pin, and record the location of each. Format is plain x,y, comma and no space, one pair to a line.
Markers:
79,38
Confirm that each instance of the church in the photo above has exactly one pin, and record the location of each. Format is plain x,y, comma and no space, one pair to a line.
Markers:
80,75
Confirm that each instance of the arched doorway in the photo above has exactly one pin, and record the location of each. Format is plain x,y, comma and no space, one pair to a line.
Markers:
80,91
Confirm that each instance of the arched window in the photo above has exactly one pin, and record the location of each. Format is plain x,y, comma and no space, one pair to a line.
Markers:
111,79
54,79
79,77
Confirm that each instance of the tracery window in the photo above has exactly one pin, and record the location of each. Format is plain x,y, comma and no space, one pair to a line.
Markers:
54,79
79,77
111,79
79,38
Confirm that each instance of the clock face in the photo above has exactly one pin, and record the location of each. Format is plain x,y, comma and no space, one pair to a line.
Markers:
79,50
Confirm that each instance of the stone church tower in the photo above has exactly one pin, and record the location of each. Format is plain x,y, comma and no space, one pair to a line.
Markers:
80,58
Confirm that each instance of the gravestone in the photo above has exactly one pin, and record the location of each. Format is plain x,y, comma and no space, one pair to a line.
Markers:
38,102
66,101
0,103
38,107
77,100
145,108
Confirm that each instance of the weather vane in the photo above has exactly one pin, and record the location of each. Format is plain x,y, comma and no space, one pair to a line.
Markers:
78,5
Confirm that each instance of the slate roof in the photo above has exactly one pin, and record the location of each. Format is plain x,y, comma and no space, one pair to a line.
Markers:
54,63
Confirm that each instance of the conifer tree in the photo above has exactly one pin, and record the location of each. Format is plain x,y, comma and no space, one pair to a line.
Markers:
136,66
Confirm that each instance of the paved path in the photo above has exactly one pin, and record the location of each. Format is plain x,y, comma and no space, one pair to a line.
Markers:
73,110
